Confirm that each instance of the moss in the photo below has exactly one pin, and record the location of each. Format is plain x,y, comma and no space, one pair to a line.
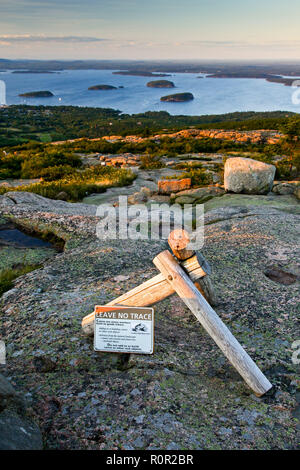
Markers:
286,203
8,275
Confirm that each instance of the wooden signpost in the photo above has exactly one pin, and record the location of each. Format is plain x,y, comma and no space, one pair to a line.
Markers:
185,276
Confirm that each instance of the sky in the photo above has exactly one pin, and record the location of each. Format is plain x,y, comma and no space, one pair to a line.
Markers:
150,29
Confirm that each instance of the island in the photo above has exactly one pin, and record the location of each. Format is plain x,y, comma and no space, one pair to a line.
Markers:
263,76
37,94
141,73
34,71
248,74
160,84
284,81
102,87
178,97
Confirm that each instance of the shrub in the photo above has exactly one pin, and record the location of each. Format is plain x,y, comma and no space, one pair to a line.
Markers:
80,184
75,191
56,172
151,162
198,176
36,165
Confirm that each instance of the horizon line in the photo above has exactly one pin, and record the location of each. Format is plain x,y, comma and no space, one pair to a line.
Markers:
156,60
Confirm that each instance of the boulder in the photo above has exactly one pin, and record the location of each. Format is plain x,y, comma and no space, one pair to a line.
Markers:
284,189
160,199
244,175
297,193
18,433
184,200
36,203
138,198
5,201
6,392
198,195
173,186
147,191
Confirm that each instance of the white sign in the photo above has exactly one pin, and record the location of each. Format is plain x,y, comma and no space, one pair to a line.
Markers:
124,329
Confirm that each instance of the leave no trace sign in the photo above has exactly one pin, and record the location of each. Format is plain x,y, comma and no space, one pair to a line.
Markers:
124,329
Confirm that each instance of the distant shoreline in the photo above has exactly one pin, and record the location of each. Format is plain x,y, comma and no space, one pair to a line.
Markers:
155,67
34,71
138,73
267,77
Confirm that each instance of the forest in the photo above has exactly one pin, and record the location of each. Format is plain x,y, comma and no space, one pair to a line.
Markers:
23,123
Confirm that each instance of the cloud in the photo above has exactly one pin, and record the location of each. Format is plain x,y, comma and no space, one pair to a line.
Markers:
241,44
10,39
13,38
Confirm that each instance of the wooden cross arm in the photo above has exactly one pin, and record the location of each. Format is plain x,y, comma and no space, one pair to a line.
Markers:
211,322
148,293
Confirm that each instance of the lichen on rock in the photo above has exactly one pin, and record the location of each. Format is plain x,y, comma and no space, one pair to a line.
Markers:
85,400
244,175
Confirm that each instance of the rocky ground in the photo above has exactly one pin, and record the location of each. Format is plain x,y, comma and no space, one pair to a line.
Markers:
146,179
185,396
269,136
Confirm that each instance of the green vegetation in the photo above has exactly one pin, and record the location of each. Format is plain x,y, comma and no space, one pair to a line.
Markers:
291,143
60,166
37,160
7,276
60,171
198,175
151,162
21,124
161,146
76,185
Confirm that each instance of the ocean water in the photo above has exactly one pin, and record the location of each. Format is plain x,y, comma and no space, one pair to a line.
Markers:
212,95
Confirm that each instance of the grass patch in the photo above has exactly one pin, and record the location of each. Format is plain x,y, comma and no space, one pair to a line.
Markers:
7,276
199,177
188,166
151,162
80,184
45,137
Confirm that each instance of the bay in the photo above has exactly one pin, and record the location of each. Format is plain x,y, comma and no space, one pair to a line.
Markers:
212,95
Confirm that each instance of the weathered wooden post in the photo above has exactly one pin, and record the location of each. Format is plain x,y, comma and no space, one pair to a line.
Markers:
178,241
186,279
